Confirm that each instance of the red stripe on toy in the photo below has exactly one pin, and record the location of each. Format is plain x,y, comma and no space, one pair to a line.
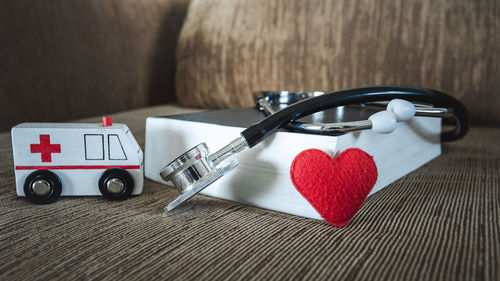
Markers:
68,167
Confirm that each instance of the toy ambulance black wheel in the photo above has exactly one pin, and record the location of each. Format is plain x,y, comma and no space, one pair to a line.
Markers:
116,184
42,187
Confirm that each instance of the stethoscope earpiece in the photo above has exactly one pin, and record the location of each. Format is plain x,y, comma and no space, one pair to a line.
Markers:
404,110
398,110
383,122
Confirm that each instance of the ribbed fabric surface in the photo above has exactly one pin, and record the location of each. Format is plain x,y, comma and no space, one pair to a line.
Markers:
438,223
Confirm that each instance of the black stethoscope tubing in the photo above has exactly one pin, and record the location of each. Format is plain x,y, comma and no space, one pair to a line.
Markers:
259,131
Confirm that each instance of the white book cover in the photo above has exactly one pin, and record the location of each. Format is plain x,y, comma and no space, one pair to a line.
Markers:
262,177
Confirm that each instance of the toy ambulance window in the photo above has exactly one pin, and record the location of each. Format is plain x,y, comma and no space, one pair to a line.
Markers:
115,148
94,146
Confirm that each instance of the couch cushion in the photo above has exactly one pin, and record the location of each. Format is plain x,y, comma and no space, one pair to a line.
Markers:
440,222
62,60
228,50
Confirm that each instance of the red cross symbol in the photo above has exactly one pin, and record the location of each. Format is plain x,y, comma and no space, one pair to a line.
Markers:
45,148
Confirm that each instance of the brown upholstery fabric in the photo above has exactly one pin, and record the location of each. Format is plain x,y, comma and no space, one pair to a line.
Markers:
61,60
227,50
441,222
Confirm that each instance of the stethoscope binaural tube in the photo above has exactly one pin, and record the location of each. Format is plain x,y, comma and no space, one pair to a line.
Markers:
259,131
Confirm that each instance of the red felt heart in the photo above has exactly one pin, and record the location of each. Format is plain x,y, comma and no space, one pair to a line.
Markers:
336,188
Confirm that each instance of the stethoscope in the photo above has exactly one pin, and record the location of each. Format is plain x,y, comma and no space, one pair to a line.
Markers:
197,168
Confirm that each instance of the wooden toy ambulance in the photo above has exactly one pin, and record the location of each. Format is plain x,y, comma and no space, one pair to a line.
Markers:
69,159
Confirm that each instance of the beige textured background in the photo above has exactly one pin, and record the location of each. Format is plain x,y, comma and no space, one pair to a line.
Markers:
228,49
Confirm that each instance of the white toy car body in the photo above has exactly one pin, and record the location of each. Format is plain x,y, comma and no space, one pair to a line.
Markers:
86,159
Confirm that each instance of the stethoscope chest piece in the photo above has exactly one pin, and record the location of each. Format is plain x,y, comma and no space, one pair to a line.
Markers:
193,171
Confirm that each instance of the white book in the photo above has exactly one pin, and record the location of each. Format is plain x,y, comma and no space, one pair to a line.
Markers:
262,177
